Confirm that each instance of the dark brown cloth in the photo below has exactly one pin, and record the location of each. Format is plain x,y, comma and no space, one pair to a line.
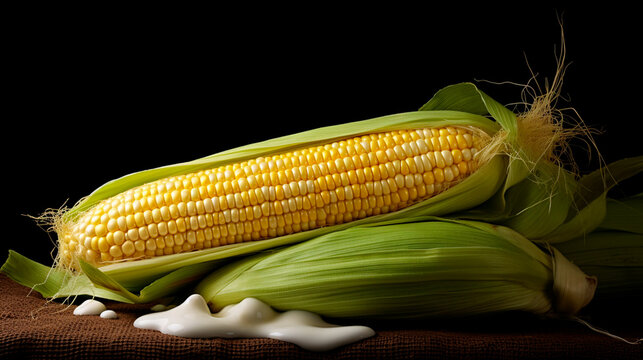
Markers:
32,328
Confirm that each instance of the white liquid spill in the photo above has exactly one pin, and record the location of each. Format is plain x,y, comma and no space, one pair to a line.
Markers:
252,318
108,314
90,307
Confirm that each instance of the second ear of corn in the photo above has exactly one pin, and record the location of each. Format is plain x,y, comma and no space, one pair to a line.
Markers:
427,268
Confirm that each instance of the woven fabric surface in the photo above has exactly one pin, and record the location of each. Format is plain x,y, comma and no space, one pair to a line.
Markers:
32,328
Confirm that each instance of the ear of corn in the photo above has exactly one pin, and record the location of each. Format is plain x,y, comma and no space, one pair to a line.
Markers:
413,269
268,197
473,190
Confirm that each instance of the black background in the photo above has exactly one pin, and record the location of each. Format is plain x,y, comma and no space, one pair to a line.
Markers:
92,96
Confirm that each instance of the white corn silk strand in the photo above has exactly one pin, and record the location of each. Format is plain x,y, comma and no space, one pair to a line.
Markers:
635,342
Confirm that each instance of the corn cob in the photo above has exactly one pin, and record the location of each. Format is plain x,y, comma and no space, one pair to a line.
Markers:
271,196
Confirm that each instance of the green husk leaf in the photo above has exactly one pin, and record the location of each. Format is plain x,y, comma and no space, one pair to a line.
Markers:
459,97
614,251
590,200
56,283
164,286
624,215
469,98
614,257
103,281
404,268
535,211
51,282
551,206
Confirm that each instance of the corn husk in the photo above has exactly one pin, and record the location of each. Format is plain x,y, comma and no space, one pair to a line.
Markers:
406,269
613,252
551,211
624,214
